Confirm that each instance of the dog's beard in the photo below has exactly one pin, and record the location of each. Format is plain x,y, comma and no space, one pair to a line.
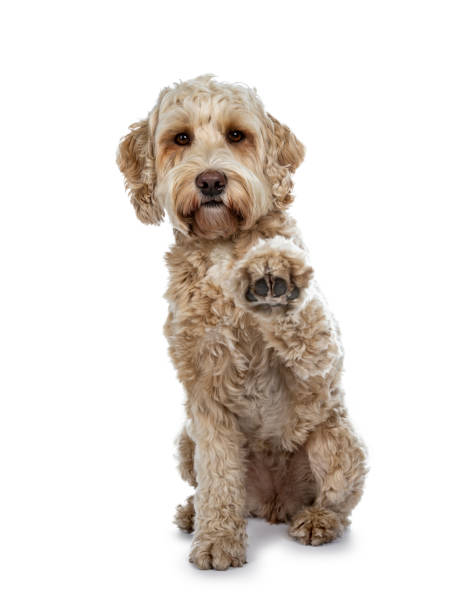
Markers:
214,221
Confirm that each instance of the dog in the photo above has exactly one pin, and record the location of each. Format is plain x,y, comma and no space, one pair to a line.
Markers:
251,337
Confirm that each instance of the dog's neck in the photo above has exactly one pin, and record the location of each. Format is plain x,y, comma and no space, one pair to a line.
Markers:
276,222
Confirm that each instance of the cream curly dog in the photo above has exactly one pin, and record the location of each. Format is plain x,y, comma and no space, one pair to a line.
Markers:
253,342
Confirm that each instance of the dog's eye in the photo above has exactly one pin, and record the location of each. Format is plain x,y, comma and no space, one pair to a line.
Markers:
182,139
235,135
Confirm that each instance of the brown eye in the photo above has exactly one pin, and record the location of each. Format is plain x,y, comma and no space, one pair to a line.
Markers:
235,135
182,139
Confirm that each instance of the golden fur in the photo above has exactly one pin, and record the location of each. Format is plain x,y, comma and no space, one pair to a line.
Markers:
253,342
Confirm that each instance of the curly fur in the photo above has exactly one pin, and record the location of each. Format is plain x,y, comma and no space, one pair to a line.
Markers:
254,344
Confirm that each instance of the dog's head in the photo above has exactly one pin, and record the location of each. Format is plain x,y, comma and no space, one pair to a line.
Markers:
209,155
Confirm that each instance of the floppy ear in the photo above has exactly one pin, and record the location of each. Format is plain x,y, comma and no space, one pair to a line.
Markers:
284,154
290,151
136,161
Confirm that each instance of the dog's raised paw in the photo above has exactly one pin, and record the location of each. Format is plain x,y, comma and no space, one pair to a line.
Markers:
271,291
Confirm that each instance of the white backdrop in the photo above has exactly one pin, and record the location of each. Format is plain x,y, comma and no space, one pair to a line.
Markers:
90,404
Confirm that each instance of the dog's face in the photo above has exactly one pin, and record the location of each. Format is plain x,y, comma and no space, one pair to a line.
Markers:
211,157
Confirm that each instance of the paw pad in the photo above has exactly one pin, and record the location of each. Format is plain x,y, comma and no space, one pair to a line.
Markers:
279,287
261,287
271,291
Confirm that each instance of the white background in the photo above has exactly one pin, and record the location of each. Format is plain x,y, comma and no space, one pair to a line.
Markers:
90,404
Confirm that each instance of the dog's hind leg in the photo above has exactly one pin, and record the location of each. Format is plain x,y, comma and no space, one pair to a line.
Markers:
184,515
337,462
186,448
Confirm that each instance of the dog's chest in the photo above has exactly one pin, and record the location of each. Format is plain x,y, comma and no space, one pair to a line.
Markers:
261,399
210,336
263,403
254,384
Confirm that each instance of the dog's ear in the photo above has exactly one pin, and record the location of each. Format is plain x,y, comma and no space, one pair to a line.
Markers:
290,151
284,153
136,161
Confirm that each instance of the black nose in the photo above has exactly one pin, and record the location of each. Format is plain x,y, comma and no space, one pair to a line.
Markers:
211,182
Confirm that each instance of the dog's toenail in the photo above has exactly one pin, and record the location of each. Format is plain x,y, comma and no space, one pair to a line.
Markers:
295,293
261,288
280,287
249,296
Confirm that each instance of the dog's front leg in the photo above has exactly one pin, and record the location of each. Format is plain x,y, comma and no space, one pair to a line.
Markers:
220,528
273,281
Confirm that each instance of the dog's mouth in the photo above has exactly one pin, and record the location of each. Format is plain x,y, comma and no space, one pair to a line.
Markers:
215,203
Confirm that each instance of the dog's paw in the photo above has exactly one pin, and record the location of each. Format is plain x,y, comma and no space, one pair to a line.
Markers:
218,553
316,526
272,278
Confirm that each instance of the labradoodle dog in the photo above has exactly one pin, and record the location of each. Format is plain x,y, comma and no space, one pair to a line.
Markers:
254,344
